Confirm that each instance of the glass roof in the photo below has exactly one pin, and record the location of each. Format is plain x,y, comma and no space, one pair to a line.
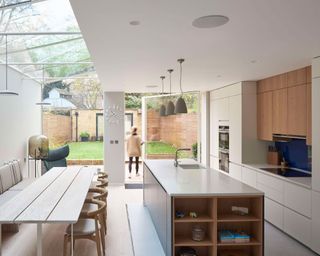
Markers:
43,36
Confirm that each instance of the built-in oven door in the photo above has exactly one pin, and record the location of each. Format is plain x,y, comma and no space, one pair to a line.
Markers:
224,161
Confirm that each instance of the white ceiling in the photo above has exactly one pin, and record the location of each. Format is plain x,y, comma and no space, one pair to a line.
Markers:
280,35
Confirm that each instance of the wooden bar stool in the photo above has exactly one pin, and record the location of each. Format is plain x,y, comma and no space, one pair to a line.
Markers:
89,226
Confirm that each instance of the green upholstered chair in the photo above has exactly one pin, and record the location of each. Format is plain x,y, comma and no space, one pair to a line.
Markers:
56,158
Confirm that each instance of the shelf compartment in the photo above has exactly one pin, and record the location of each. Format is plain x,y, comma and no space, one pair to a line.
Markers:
254,204
203,206
200,250
201,218
240,251
254,229
187,241
237,218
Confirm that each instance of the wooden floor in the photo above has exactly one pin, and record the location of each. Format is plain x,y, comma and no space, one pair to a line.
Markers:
118,238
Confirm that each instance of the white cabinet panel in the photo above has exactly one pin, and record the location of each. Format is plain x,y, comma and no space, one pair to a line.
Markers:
315,229
249,177
235,130
214,128
316,67
297,198
223,109
273,212
235,171
214,162
315,133
272,187
297,226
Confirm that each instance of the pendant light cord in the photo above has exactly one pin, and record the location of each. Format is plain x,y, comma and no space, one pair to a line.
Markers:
162,78
170,71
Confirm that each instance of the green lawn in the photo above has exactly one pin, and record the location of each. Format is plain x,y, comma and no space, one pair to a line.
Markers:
86,150
157,147
94,150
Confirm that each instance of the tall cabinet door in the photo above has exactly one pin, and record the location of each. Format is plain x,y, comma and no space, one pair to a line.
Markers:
235,129
264,115
280,111
297,110
214,128
316,134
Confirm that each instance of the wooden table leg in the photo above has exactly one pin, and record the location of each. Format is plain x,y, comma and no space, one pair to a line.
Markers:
0,239
39,239
71,239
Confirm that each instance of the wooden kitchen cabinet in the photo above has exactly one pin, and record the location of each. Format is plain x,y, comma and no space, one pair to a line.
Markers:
280,111
297,110
264,116
309,114
309,74
297,77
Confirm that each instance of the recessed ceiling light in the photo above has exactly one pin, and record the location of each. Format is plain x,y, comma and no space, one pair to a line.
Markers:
134,23
152,86
210,21
253,61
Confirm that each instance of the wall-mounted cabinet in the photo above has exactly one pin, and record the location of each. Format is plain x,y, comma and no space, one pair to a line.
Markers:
289,97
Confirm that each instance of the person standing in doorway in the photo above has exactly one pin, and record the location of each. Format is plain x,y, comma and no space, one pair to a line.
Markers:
134,149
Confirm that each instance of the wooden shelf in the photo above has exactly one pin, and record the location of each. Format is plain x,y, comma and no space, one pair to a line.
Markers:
253,242
237,218
201,218
186,241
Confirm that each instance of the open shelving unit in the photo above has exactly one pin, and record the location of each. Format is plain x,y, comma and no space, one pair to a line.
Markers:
214,215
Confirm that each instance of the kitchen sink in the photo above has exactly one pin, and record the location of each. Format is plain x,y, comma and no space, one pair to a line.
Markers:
190,166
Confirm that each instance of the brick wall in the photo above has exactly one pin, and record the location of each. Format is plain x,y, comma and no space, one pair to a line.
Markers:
57,128
179,130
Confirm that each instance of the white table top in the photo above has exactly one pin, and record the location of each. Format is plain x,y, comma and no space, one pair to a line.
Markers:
57,196
206,182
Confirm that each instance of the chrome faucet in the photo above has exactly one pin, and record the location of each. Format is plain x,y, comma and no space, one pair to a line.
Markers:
176,157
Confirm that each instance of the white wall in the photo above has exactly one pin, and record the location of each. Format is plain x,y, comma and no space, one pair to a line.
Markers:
205,128
114,153
20,118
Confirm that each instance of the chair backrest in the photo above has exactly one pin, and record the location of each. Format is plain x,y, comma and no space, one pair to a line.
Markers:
6,178
57,157
17,171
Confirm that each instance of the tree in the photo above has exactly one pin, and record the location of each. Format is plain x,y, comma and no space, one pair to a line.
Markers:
87,93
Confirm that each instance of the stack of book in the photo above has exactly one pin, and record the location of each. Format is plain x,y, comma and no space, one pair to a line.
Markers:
227,236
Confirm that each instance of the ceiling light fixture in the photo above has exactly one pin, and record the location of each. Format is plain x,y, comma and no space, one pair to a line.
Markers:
181,106
170,105
162,107
134,23
6,92
210,21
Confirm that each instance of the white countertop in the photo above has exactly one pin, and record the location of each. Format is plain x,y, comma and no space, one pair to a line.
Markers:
181,182
302,181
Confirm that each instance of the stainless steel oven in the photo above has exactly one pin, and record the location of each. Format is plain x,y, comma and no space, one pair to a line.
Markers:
224,148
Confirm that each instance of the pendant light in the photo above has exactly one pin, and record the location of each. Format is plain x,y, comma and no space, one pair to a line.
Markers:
170,105
6,92
162,107
41,103
181,106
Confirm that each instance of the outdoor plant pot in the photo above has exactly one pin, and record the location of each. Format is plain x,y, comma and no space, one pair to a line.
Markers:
83,139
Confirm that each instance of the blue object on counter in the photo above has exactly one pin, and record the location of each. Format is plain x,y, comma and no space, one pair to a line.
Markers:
179,214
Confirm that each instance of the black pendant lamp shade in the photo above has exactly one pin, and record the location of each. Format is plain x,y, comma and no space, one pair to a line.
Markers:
162,107
6,92
181,106
170,105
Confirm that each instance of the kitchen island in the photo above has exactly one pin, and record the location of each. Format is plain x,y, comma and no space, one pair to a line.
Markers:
212,196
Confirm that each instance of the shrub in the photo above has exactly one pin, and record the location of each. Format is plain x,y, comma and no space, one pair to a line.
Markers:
84,135
195,150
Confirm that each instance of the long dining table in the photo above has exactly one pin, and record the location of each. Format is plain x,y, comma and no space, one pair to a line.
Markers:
56,197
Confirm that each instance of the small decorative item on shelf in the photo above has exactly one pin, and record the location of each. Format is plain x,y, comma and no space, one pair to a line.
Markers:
187,251
241,237
198,233
193,214
179,214
240,210
226,236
